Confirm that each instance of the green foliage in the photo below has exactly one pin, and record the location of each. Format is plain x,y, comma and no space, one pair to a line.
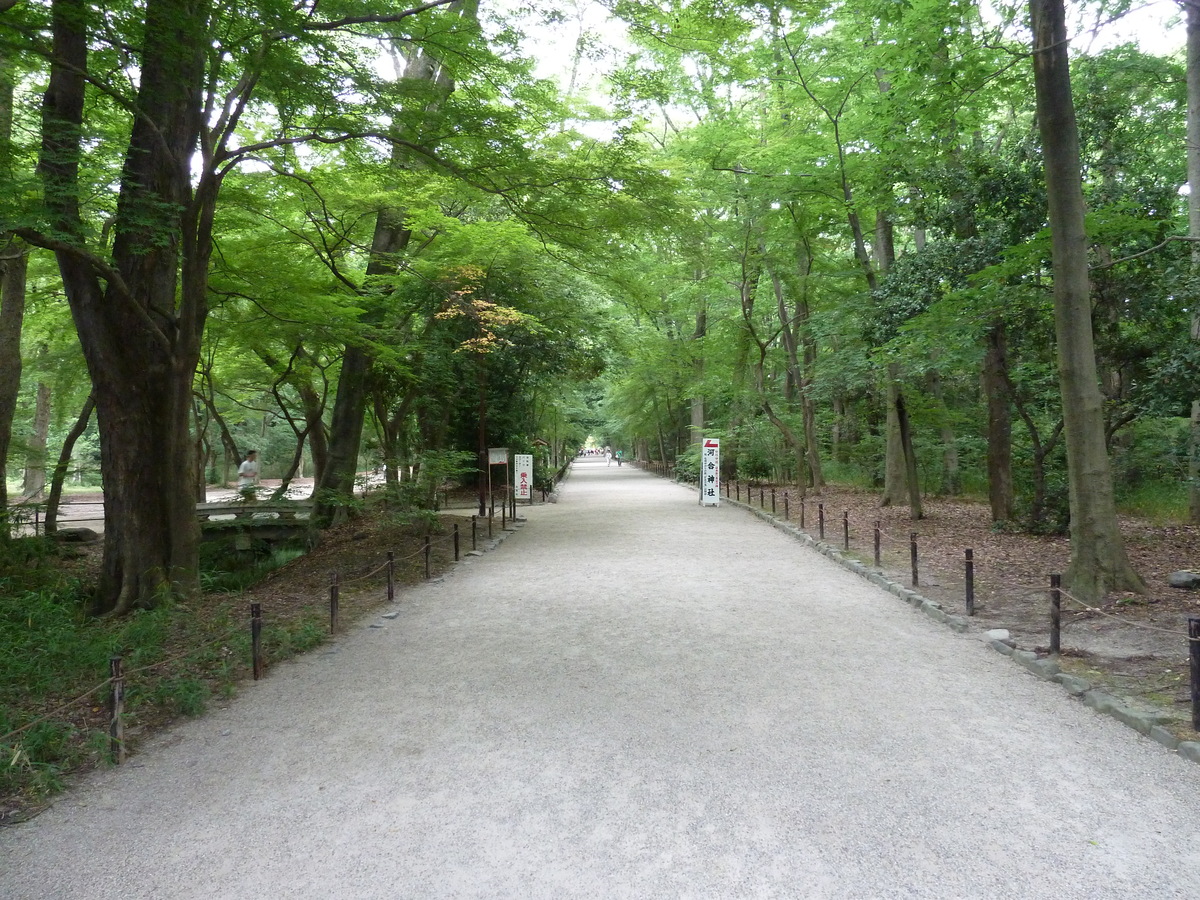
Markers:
182,696
225,569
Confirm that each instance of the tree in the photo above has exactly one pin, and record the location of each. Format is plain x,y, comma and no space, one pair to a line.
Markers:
1193,172
1099,563
13,267
139,306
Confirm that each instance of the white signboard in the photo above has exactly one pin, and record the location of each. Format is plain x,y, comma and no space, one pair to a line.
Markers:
497,456
523,475
710,472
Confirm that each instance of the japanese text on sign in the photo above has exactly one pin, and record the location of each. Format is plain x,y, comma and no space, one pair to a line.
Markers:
523,475
710,472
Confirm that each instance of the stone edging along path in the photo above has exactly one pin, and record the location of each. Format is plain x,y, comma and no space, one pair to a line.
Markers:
1144,722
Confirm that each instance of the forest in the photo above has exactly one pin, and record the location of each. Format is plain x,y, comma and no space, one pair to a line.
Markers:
926,247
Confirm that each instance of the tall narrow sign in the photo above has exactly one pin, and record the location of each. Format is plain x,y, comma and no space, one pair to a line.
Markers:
523,476
710,472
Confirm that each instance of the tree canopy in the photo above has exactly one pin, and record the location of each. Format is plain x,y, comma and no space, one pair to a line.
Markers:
824,232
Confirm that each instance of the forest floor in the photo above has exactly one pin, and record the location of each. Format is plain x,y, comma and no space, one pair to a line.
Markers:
1133,646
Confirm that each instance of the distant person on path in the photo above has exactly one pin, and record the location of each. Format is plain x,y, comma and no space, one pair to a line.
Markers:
608,454
248,475
620,456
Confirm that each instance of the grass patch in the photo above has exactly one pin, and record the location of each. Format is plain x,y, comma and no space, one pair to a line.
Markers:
1162,503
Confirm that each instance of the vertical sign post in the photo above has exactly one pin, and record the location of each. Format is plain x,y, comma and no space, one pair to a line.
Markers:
523,476
710,472
497,456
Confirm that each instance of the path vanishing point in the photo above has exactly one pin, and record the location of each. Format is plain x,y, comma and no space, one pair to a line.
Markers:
633,697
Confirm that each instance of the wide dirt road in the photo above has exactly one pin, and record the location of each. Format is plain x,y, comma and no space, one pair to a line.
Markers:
634,697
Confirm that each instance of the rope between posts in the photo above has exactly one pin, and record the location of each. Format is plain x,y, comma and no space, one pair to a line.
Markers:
107,681
55,711
170,659
891,537
1062,591
1065,593
442,540
374,571
162,662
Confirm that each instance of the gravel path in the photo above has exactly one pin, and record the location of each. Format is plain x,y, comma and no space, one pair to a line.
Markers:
634,697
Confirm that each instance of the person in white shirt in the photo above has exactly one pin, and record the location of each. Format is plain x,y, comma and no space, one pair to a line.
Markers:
248,474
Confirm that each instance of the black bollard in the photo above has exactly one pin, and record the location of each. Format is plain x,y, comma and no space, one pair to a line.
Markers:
1194,658
256,656
970,581
1055,613
333,602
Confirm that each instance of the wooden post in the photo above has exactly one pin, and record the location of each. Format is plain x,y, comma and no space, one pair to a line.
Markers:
802,511
772,501
256,656
456,540
333,602
970,564
821,520
116,726
912,552
878,542
491,519
427,546
737,488
762,497
1055,613
1194,658
474,532
504,515
846,529
391,578
786,511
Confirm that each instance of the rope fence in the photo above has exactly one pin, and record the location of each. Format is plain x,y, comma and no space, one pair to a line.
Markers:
883,540
119,676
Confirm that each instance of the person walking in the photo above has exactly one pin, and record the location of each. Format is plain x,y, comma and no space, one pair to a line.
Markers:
248,475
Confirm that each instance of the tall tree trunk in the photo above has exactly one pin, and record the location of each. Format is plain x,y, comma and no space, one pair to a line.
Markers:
35,449
951,480
13,266
140,330
912,477
696,433
1099,563
895,469
999,423
391,238
64,463
1193,171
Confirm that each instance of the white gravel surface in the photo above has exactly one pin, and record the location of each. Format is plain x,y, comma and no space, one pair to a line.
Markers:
634,697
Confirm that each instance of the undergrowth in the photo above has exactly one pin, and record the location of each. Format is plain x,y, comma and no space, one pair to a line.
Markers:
177,658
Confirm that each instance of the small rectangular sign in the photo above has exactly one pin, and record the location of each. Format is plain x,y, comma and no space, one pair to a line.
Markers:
497,456
710,472
523,475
